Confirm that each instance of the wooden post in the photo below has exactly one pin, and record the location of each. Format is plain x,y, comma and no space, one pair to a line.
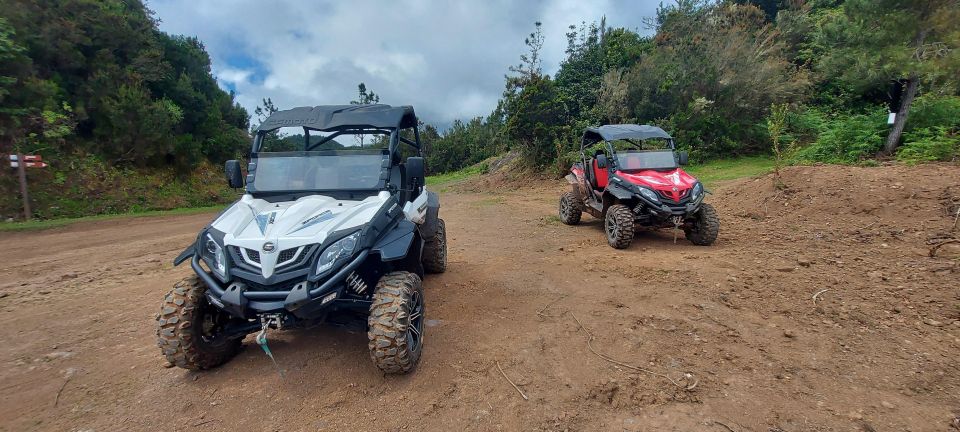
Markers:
22,173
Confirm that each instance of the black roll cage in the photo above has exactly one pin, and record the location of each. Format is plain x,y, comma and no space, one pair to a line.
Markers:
393,146
586,142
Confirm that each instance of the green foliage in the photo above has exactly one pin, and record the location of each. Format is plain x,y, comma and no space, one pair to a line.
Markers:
846,138
930,144
100,78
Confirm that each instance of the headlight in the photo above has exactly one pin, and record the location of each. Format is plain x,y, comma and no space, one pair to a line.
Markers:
213,252
696,192
339,251
649,194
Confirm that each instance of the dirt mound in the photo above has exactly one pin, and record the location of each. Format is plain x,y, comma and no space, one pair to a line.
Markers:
504,173
903,208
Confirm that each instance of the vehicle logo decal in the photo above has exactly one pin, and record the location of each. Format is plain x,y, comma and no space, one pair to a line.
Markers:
269,247
313,220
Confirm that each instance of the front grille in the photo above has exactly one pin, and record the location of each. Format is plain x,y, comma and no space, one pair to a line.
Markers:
666,196
252,254
286,255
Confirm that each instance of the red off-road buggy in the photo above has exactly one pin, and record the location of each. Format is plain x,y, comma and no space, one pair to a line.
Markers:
629,186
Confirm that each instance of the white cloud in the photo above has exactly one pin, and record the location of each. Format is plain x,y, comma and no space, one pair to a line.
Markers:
447,58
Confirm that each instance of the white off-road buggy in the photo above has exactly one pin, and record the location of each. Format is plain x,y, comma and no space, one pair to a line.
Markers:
329,229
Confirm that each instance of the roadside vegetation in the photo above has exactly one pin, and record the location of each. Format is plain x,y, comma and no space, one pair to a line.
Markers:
712,71
131,119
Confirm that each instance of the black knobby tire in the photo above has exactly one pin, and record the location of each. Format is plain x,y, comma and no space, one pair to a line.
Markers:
435,250
618,225
189,329
706,226
395,324
570,208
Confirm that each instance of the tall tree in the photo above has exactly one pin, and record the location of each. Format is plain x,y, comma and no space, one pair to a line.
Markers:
875,41
365,96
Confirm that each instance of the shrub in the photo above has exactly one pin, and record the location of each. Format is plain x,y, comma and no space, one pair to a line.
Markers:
930,144
847,138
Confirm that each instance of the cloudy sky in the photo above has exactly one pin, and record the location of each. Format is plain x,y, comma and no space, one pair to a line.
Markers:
446,58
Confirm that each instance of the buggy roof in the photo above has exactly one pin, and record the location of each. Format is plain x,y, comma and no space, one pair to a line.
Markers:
334,117
623,131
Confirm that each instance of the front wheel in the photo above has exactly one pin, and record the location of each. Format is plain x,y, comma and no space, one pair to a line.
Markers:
395,324
570,212
618,225
191,332
706,226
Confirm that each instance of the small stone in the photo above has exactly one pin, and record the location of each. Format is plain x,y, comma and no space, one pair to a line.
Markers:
785,269
932,322
789,334
2,295
168,365
804,262
71,275
887,405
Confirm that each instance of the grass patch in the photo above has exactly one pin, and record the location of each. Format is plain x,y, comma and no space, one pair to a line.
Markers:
455,176
728,169
54,223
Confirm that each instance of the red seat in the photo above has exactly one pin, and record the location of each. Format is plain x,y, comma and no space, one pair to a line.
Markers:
601,175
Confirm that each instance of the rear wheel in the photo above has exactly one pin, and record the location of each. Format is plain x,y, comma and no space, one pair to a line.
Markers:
618,225
395,324
570,212
435,250
706,226
190,331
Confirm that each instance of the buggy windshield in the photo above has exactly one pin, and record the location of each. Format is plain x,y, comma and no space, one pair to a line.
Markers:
318,171
634,160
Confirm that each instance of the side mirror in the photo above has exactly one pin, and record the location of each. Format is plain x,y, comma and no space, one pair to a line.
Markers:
682,158
415,170
601,161
234,175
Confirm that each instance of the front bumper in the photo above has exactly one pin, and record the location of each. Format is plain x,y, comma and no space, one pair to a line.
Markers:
665,209
305,300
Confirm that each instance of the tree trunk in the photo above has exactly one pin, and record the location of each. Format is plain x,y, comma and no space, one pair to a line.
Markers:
893,139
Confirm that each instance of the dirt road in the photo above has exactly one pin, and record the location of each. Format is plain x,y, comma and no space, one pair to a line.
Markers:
722,338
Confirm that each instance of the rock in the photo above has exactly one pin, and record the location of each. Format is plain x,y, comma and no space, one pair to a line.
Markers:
804,262
168,365
785,269
875,274
71,275
932,322
788,333
2,295
887,405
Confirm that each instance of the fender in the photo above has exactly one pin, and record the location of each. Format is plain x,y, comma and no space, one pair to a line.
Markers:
618,191
396,242
428,229
186,254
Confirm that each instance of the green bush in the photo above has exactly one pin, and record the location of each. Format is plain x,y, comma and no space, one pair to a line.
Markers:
932,111
846,138
930,144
